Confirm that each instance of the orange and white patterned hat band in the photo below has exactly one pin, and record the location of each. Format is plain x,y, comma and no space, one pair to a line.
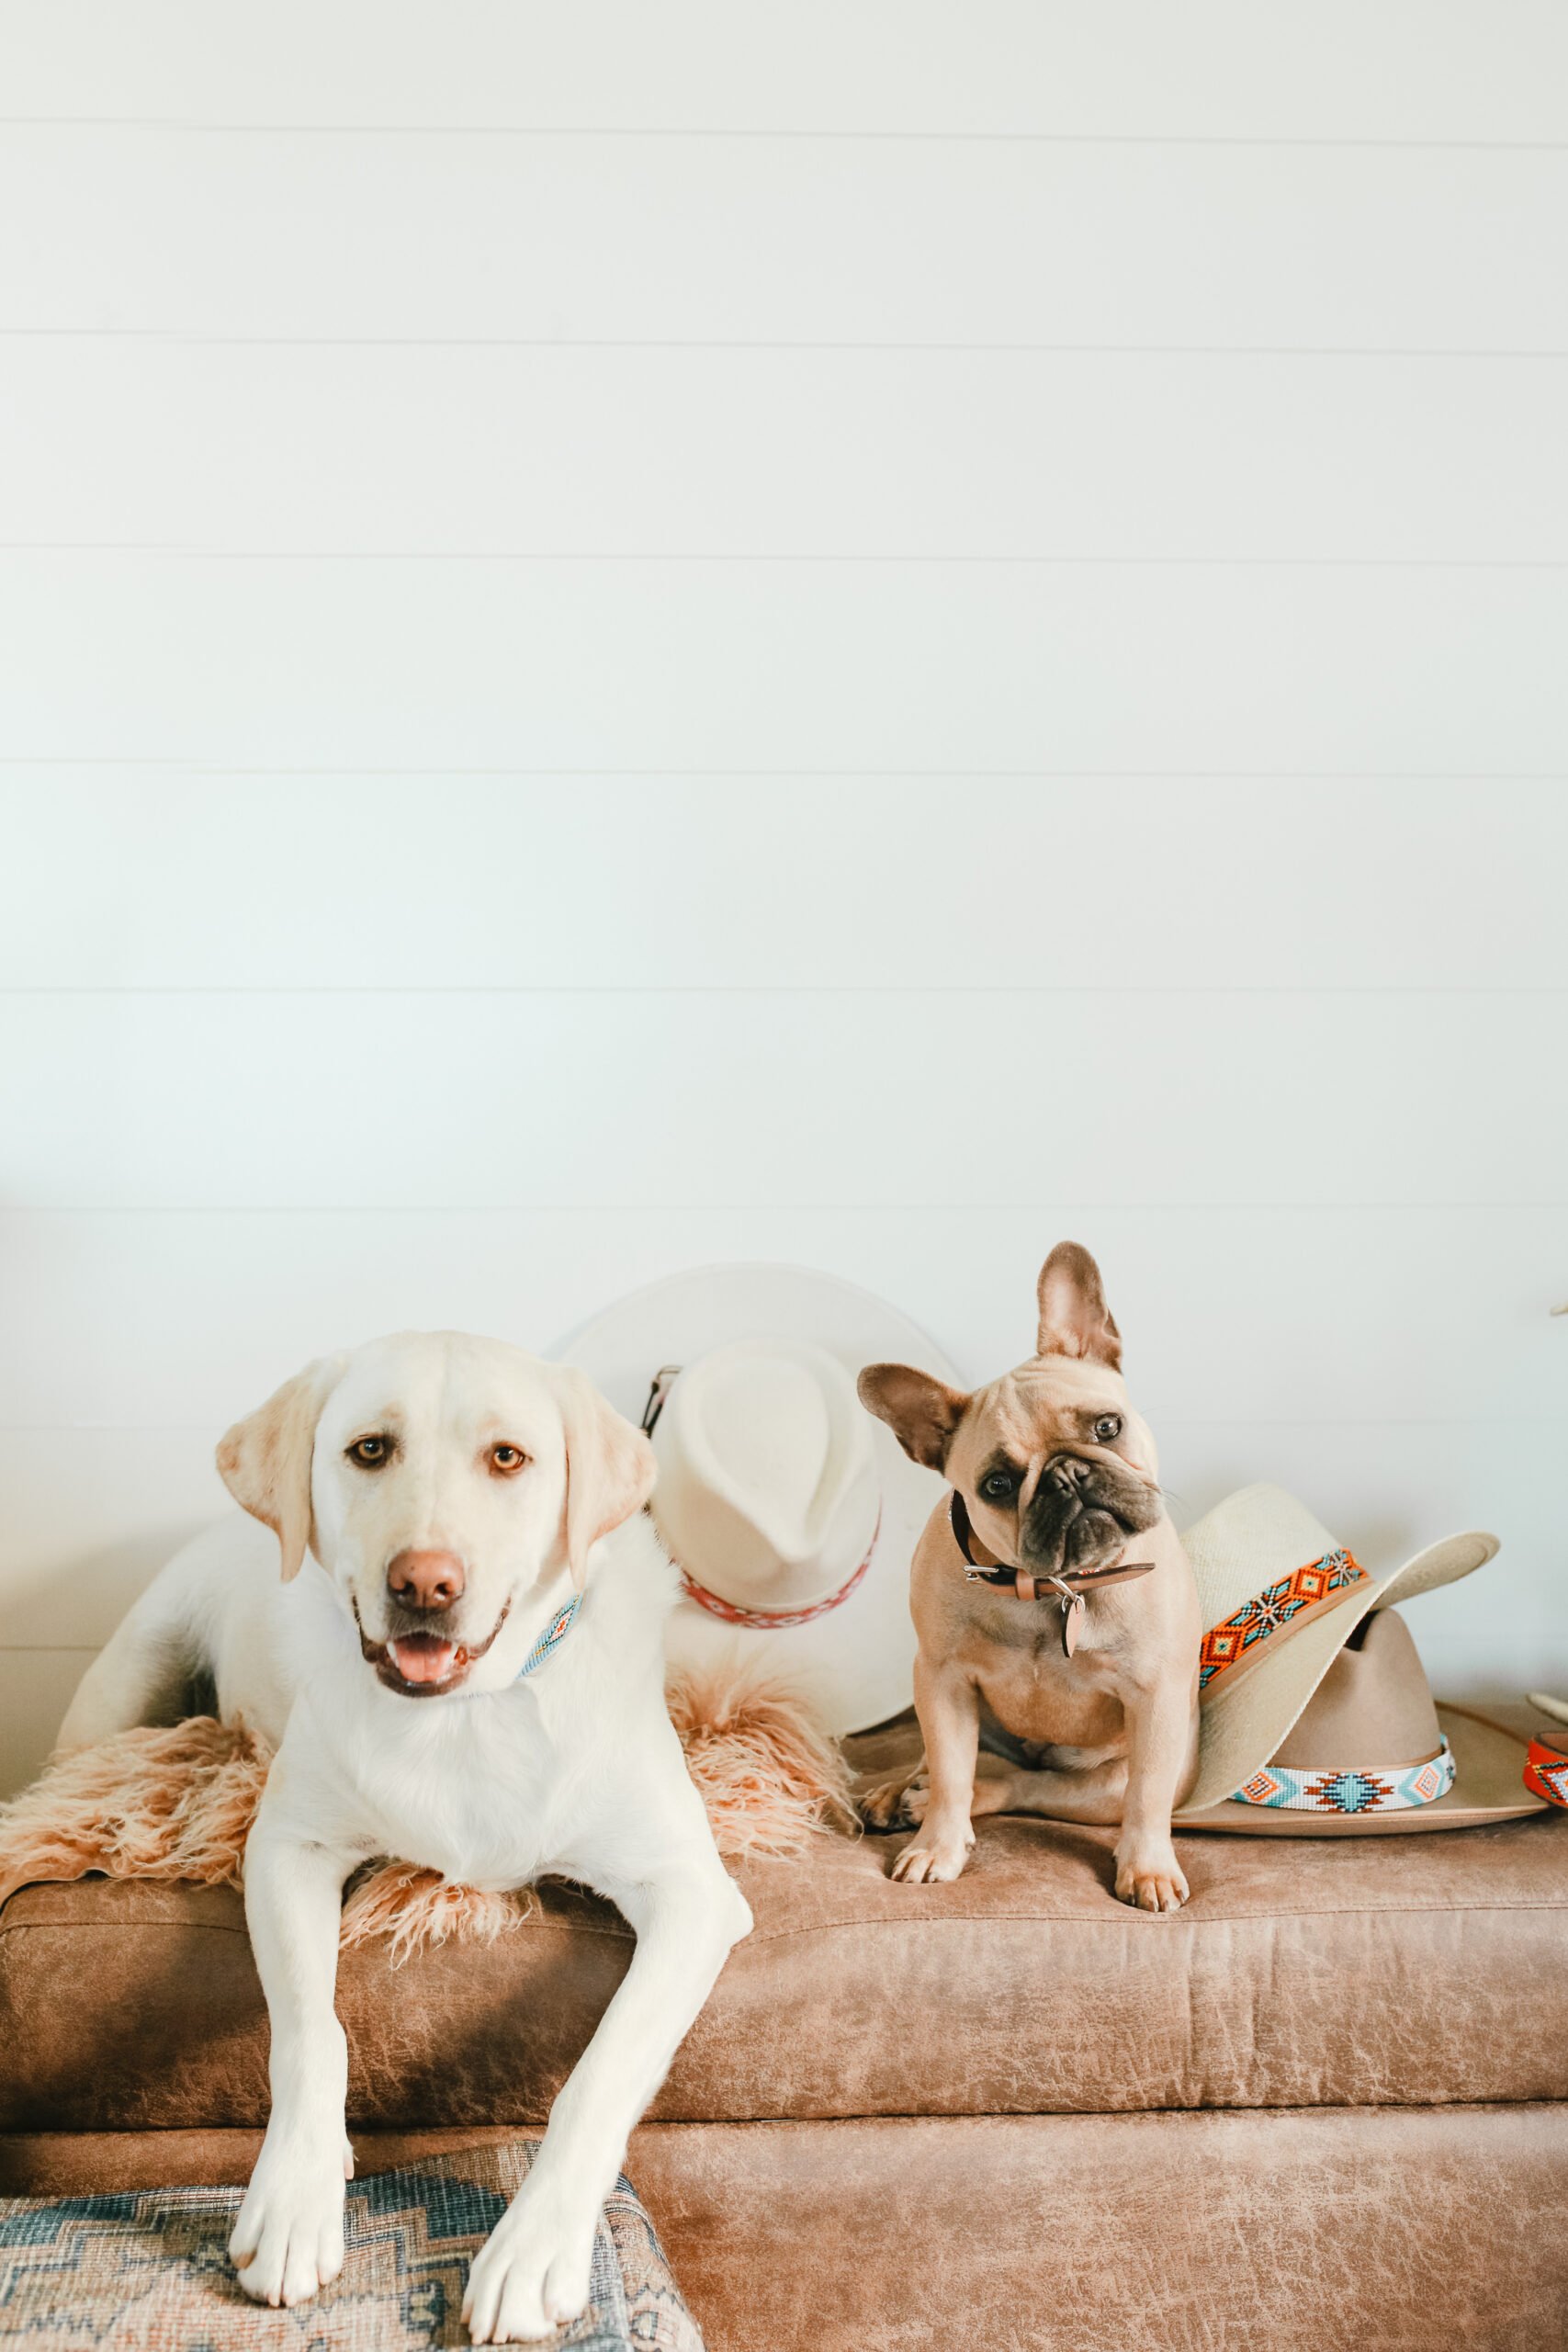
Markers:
1546,1772
1241,1637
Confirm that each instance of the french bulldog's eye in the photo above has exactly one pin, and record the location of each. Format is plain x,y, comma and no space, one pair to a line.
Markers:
1107,1428
371,1452
506,1460
999,1487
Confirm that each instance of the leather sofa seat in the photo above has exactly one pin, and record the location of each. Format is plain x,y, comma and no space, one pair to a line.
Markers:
1415,1970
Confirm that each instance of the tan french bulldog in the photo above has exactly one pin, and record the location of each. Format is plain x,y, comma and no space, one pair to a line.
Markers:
1054,1605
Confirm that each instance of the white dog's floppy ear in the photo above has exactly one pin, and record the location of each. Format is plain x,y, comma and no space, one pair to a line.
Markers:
610,1467
1074,1317
264,1461
922,1412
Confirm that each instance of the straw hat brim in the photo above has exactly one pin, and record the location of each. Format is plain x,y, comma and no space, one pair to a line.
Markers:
1488,1763
1245,1721
855,1664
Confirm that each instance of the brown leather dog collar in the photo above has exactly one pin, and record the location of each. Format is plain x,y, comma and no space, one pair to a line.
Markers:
1068,1589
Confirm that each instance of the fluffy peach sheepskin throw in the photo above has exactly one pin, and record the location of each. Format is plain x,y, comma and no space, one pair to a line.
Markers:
178,1803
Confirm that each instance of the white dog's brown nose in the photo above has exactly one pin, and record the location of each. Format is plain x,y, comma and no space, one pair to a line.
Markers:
425,1581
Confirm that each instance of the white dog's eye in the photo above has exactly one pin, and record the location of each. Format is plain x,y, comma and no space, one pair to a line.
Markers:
507,1459
1109,1426
370,1452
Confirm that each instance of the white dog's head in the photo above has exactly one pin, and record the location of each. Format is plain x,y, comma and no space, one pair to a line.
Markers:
442,1481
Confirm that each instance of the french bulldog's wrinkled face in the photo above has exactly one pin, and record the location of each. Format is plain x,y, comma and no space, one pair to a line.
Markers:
1057,1469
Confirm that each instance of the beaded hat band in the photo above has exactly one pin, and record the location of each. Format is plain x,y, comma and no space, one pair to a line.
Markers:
1239,1639
1395,1790
1546,1772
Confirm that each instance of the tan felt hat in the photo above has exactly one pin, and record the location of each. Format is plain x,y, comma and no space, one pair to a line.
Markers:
1314,1698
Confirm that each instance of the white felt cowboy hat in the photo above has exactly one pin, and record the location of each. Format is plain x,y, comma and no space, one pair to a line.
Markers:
791,1514
1314,1702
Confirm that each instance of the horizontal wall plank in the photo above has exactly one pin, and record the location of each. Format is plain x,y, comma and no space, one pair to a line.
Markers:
742,239
506,451
593,1100
1246,1314
1223,68
36,1688
1383,1488
126,879
790,665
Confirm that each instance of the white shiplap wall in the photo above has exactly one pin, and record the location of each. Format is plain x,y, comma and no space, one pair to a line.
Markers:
869,633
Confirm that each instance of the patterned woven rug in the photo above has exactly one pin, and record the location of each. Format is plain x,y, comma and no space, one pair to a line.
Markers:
147,2271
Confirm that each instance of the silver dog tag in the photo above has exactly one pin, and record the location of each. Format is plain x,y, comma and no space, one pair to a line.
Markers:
1072,1608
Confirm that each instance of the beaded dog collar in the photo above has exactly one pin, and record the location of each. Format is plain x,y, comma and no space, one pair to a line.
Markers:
1398,1789
552,1637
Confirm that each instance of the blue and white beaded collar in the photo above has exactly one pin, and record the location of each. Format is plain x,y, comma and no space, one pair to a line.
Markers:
552,1637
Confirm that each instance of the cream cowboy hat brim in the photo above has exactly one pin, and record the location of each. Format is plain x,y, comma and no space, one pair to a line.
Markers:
855,1663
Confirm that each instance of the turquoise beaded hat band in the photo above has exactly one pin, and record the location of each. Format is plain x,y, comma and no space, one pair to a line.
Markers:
1357,1789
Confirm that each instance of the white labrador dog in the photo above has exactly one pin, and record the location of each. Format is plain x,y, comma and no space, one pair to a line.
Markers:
448,1500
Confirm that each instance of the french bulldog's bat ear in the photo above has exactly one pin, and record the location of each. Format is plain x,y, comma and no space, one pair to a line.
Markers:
265,1460
921,1412
1074,1317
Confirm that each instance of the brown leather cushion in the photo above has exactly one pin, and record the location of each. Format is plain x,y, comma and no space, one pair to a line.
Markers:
1334,2230
1305,1974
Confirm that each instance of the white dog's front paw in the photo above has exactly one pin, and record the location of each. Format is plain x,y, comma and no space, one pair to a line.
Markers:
531,2274
288,2243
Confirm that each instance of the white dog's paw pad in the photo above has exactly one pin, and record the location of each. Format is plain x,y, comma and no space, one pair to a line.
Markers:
523,2285
288,2242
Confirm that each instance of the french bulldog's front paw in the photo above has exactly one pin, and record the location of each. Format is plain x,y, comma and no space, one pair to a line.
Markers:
1151,1880
531,2274
287,2241
939,1854
886,1806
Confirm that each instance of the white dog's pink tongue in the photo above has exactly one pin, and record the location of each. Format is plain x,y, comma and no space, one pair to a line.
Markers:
420,1660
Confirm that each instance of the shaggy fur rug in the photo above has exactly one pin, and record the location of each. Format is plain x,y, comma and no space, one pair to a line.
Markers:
177,1802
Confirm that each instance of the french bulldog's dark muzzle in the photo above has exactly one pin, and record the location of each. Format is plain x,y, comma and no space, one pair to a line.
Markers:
1082,1513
